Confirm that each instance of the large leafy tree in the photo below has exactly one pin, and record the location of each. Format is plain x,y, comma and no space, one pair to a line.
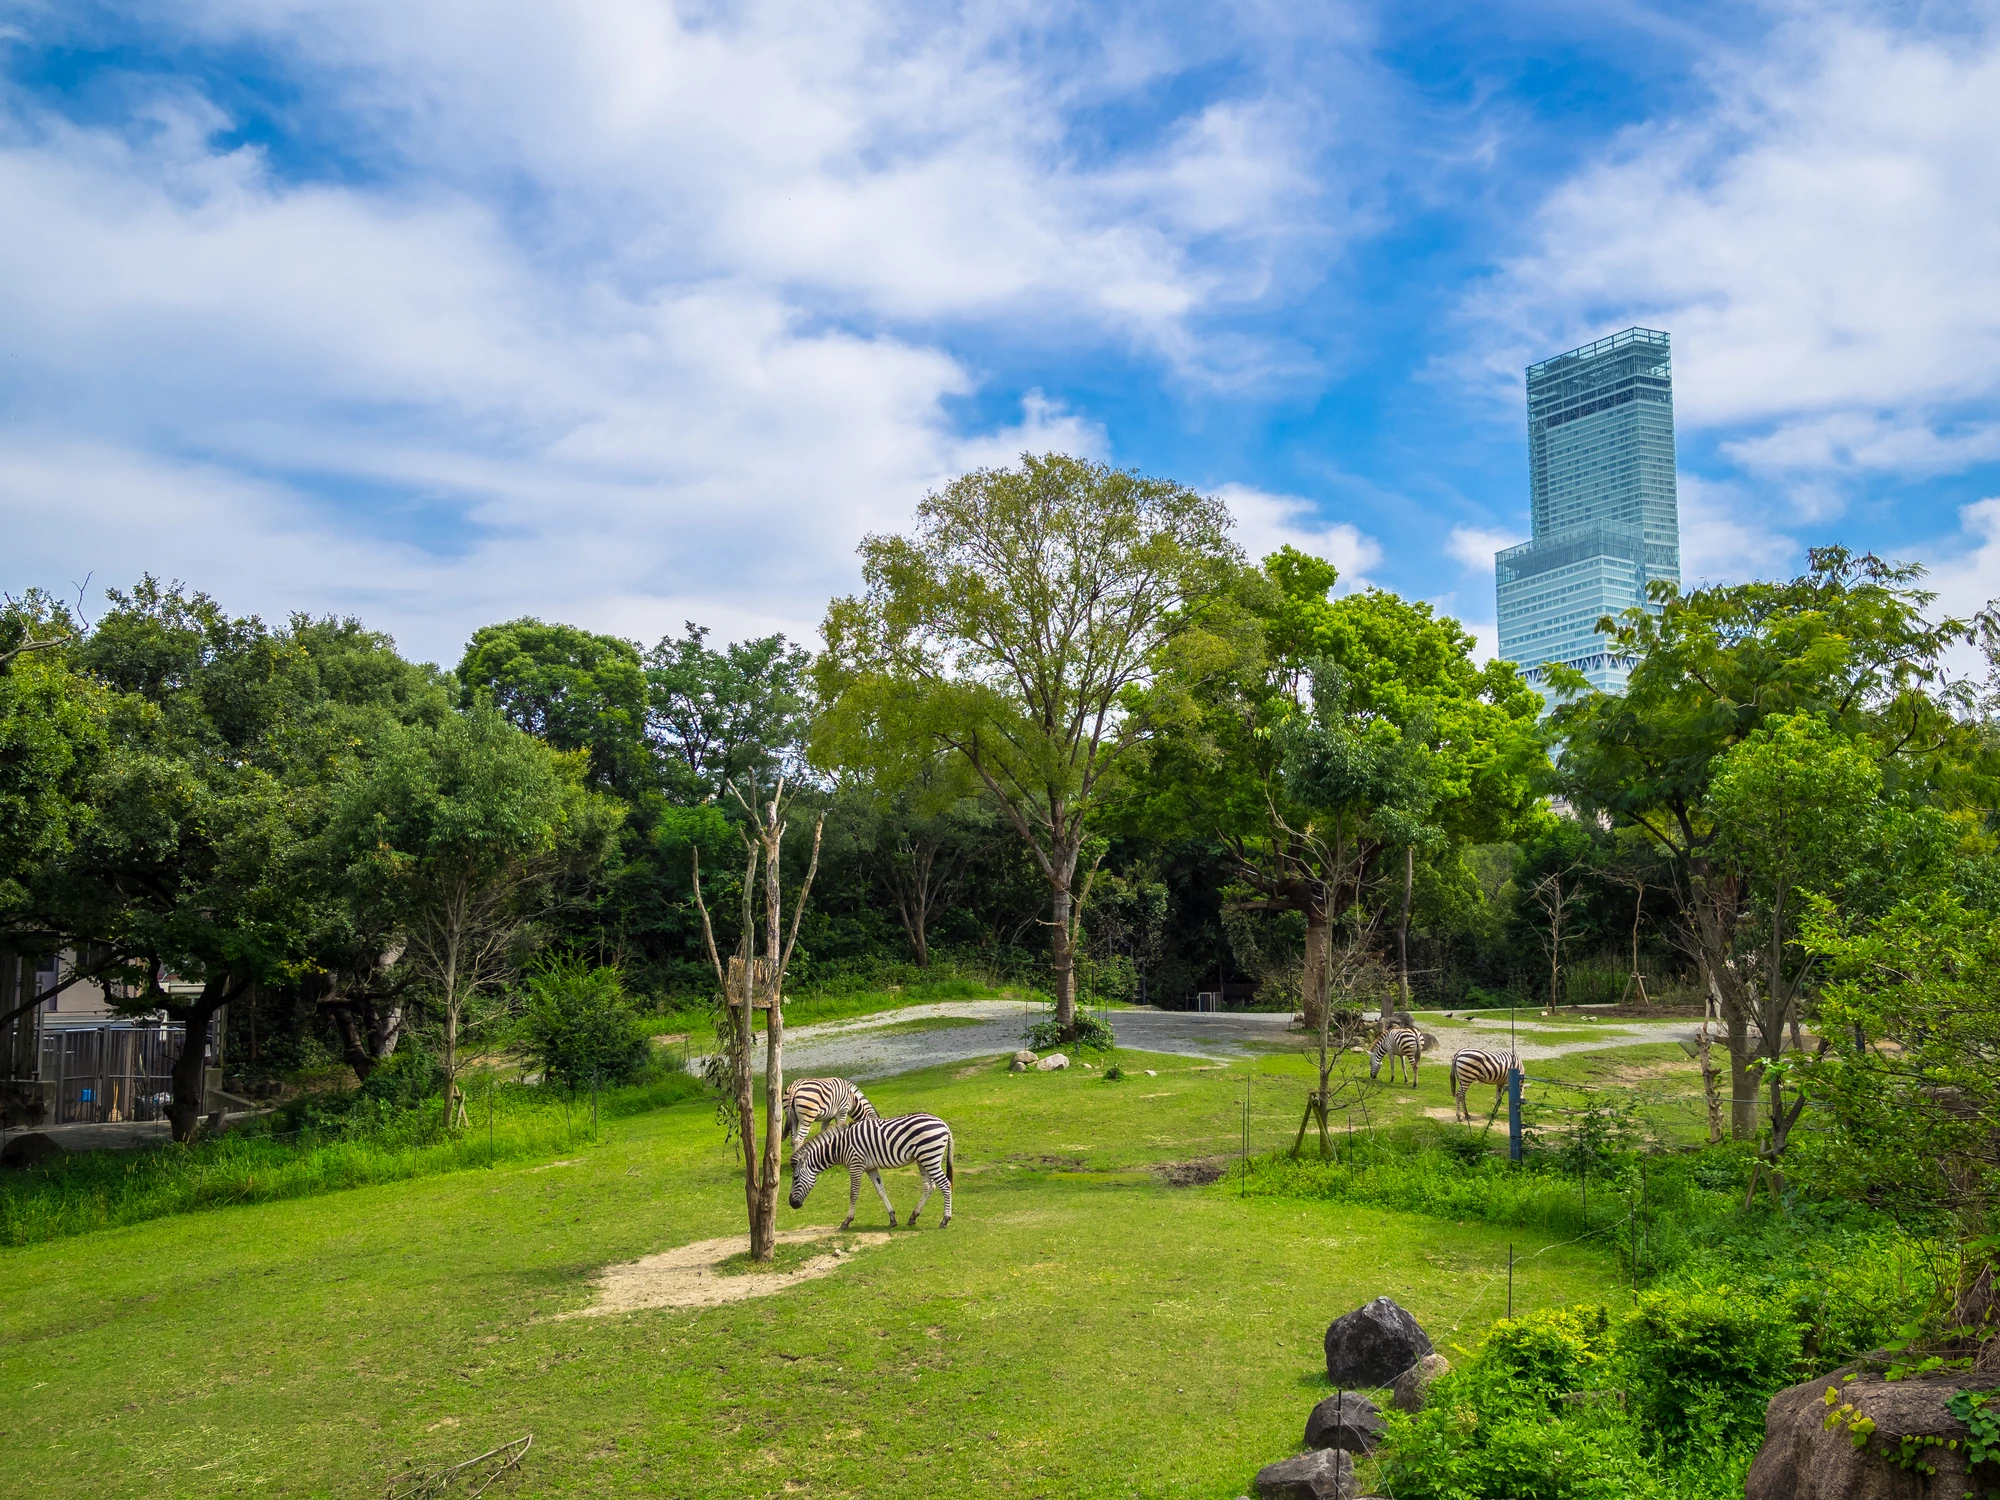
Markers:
459,837
1039,623
1850,642
195,867
1360,732
570,688
719,715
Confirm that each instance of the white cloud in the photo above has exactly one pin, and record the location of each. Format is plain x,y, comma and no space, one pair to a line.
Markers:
1819,239
1474,547
1728,536
632,313
1266,522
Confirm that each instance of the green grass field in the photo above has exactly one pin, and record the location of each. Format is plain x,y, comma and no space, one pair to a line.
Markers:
1082,1329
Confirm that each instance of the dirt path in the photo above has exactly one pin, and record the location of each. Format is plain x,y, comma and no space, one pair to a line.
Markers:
901,1041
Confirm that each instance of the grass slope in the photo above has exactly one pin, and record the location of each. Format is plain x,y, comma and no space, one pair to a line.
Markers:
1081,1330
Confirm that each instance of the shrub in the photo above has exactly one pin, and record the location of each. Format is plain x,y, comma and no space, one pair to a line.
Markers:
406,1077
1089,1034
578,1025
1705,1357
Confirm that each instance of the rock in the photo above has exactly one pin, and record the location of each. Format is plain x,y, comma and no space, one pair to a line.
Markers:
1345,1421
1151,1074
1802,1460
1023,1060
1053,1063
1326,1474
29,1150
1410,1389
1372,1345
1017,1066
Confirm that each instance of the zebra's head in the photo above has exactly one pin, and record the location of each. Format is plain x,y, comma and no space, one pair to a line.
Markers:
1375,1060
807,1163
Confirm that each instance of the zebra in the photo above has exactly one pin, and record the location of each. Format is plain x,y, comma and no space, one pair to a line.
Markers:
1399,1044
1473,1066
870,1143
827,1101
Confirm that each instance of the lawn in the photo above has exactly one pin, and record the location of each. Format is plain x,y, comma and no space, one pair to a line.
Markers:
1081,1330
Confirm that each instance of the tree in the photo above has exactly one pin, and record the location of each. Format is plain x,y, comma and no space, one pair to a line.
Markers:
1910,1011
754,981
578,1025
1800,810
717,716
1360,730
1848,641
569,688
457,837
1040,623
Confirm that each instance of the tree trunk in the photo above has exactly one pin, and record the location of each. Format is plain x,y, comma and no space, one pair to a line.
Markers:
190,1067
764,1220
1403,924
1062,959
368,1033
1316,982
1742,1085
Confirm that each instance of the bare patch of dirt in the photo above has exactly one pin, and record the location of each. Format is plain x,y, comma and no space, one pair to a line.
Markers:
1197,1173
687,1276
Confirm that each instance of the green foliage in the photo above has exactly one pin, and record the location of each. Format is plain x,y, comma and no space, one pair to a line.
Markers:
1703,1359
1665,1400
721,715
1088,1033
570,689
578,1026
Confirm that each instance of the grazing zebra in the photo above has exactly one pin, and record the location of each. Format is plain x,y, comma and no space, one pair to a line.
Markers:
1473,1066
871,1143
829,1101
1398,1044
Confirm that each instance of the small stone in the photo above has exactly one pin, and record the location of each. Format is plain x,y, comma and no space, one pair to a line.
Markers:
1347,1421
1325,1474
1372,1345
1151,1074
1055,1062
1411,1389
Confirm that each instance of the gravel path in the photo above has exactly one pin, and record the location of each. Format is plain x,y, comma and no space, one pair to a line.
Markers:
878,1046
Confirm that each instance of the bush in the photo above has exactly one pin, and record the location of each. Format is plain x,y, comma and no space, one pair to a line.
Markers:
1667,1400
1089,1034
1702,1361
578,1025
406,1077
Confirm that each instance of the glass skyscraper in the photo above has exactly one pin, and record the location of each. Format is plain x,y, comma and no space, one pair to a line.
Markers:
1601,488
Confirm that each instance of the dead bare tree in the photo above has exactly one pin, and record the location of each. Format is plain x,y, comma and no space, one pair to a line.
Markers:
1555,893
751,982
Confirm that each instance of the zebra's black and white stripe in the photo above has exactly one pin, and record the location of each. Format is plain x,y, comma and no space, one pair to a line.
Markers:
1473,1066
871,1143
828,1101
1398,1044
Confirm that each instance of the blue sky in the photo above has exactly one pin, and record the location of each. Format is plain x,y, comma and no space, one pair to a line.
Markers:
630,313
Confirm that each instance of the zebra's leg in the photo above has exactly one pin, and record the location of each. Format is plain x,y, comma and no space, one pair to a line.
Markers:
946,1224
853,1195
876,1177
1461,1112
924,1173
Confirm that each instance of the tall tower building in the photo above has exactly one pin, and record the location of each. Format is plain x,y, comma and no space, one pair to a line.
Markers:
1601,488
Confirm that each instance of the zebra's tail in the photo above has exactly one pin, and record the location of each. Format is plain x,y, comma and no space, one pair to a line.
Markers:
791,1110
948,1177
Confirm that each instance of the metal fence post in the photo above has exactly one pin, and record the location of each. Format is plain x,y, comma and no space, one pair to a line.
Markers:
1514,1114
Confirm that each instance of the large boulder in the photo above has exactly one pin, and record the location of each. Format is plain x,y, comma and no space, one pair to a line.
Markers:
1023,1060
1372,1345
1805,1459
1324,1474
1409,1390
1054,1062
1346,1421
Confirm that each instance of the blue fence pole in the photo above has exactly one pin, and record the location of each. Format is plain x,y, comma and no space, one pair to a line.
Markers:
1513,1114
